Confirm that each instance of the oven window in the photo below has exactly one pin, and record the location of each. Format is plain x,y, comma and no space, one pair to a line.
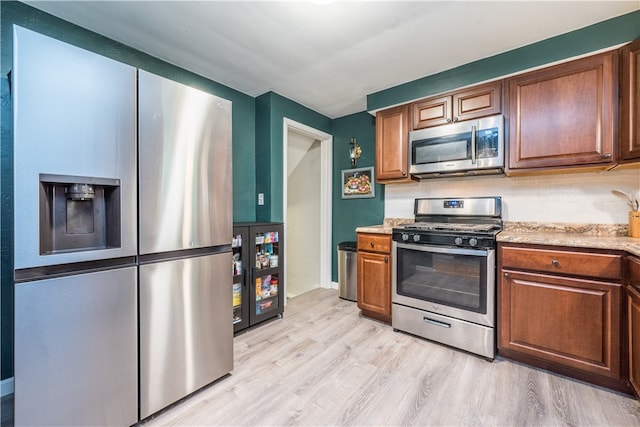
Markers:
454,280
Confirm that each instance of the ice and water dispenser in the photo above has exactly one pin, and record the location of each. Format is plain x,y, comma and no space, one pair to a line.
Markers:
78,213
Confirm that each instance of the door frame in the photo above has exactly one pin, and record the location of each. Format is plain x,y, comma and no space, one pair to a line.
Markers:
326,169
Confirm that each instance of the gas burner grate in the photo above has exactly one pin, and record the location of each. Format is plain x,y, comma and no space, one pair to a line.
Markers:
445,226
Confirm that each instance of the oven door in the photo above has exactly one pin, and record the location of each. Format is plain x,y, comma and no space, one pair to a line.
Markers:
453,282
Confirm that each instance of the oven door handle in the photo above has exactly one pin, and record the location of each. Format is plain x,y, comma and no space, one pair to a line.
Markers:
445,250
436,322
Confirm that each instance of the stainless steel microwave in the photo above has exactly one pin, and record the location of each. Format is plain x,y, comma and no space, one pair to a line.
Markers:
464,148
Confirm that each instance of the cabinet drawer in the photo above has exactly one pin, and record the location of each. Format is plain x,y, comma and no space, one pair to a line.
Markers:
374,243
633,271
598,265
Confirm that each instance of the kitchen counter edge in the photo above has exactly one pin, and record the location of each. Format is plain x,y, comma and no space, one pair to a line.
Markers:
384,228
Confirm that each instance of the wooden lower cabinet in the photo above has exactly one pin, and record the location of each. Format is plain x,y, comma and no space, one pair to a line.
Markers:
633,326
633,321
374,276
566,324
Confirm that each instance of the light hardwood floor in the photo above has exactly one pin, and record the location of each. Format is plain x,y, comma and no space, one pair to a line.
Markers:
324,364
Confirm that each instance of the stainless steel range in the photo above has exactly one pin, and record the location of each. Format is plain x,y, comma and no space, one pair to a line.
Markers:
444,286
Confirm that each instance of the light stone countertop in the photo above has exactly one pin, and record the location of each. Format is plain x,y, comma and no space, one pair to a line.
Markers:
594,236
386,227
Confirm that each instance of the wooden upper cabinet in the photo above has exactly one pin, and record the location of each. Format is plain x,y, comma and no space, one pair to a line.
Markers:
432,112
471,103
392,141
564,116
630,103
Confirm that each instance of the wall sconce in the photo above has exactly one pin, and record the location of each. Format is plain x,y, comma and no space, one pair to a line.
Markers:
354,152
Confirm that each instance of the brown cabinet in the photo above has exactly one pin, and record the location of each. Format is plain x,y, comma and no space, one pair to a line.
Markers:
374,276
479,101
564,116
630,103
560,309
633,321
392,140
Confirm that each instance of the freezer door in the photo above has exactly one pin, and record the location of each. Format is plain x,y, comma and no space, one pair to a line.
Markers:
186,334
184,166
76,350
74,116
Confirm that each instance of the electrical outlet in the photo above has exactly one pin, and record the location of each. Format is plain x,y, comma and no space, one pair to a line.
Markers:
261,199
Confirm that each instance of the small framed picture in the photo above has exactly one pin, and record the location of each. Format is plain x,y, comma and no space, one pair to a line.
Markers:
358,183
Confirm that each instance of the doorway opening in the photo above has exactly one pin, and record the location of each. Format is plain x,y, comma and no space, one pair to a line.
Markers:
307,160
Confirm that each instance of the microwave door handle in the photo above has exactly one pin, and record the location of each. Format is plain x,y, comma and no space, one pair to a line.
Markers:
473,145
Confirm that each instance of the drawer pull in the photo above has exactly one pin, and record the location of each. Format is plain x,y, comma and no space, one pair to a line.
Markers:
436,322
371,243
555,263
386,259
506,275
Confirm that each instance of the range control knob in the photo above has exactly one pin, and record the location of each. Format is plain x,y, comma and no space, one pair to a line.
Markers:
458,241
416,237
405,237
473,241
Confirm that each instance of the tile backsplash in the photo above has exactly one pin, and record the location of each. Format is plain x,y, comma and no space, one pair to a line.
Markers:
559,198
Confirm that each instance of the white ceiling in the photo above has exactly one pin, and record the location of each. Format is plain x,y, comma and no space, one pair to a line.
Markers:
328,57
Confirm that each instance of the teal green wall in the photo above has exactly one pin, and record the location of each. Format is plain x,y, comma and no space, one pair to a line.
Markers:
271,110
243,133
598,36
348,214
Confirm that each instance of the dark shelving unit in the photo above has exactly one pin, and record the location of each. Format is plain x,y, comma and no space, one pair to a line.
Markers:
258,288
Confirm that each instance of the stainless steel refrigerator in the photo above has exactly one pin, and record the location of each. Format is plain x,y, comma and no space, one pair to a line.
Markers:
75,235
185,208
122,253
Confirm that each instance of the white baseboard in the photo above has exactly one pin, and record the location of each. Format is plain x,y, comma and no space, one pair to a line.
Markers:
334,285
6,387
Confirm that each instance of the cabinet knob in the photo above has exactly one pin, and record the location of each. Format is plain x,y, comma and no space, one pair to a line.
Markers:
448,120
506,275
606,155
555,262
371,243
404,173
386,259
455,119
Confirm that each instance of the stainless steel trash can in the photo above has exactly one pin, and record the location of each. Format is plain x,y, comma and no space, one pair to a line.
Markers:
348,270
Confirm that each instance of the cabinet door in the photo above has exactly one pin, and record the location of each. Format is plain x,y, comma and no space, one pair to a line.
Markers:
477,102
633,313
633,321
472,103
374,284
242,265
564,116
432,112
630,97
392,132
565,322
266,291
